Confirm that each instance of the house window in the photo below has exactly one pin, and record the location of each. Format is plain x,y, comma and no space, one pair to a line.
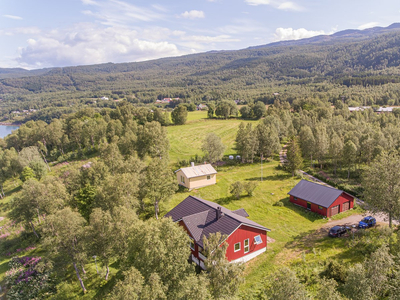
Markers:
320,207
208,177
182,179
237,247
246,246
191,244
295,198
257,240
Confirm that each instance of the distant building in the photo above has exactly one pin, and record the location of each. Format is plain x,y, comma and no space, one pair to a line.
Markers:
384,109
196,176
104,98
202,107
358,108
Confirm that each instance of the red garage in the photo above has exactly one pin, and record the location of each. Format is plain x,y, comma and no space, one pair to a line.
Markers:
321,199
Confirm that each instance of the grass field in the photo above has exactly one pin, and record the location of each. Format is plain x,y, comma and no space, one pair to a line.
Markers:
186,140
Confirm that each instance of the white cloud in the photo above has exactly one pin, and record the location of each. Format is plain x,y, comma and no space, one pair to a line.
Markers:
290,6
283,34
368,25
89,2
88,44
193,14
19,30
258,2
278,4
12,17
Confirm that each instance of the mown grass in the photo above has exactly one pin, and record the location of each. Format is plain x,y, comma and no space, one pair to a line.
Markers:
186,140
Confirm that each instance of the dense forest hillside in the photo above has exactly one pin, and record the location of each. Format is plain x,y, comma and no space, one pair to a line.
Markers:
324,65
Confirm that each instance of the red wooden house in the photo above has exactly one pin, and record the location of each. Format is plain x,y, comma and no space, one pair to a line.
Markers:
321,199
246,239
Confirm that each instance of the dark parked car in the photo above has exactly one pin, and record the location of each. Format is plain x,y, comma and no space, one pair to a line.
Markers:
337,230
367,222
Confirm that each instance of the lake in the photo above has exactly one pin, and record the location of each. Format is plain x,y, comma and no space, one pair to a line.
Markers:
6,130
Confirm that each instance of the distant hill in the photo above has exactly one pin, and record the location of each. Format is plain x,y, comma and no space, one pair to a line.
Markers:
336,58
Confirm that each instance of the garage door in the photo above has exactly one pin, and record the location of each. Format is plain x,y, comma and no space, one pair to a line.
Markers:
335,210
346,206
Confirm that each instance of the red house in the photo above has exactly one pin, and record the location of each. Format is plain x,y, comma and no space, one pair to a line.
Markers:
246,239
321,199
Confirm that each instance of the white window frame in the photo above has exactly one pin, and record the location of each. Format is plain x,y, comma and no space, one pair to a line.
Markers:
182,179
248,245
255,242
234,247
192,242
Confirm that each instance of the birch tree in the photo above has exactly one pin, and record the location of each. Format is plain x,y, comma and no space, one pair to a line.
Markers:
381,182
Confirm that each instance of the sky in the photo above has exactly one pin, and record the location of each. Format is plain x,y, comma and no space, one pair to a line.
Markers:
38,34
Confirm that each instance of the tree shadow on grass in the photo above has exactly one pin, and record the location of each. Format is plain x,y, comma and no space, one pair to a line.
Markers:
225,200
276,177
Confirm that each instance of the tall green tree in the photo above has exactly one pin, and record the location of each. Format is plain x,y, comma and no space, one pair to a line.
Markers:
225,278
293,156
284,284
349,156
321,143
381,182
213,148
159,184
335,150
100,237
268,140
64,236
179,115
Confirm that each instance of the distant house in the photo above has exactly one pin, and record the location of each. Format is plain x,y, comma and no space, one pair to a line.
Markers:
358,108
196,176
104,98
384,109
246,239
202,107
321,199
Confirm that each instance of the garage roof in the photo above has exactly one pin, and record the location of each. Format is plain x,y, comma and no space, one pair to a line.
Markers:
196,171
316,193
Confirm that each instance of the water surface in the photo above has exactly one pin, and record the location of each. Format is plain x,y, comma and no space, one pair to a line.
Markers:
6,130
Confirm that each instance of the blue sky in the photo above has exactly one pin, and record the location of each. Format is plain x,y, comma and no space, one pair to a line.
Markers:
53,33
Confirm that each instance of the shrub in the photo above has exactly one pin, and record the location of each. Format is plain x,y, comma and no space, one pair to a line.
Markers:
335,270
236,189
249,187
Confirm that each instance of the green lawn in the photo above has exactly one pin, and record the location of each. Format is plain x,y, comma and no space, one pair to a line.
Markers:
186,140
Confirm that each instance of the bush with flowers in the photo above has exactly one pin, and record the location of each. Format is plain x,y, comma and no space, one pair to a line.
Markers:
29,278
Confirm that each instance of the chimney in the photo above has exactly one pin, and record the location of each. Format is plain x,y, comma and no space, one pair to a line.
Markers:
192,164
219,212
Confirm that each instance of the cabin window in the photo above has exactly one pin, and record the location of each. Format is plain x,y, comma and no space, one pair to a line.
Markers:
237,247
182,179
320,207
295,198
191,244
246,246
208,177
257,239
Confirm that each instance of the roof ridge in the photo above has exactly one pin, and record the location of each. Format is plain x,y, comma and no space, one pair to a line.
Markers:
329,187
231,214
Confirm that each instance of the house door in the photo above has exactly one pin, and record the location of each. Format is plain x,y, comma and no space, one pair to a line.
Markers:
346,206
335,210
308,205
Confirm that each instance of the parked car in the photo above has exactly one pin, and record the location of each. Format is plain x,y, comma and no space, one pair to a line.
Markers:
367,222
337,230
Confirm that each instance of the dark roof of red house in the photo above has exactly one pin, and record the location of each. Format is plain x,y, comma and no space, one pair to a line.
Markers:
316,193
200,218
